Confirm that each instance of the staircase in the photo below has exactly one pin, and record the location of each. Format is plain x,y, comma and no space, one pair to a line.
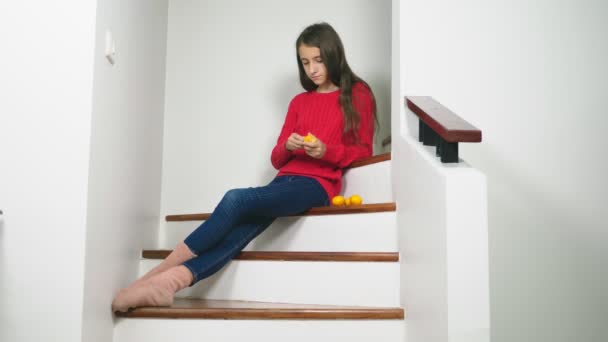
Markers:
326,274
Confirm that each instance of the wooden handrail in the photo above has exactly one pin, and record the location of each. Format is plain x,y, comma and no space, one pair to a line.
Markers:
439,126
443,121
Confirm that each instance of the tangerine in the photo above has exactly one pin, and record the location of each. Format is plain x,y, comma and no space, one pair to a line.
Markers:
347,201
337,201
356,200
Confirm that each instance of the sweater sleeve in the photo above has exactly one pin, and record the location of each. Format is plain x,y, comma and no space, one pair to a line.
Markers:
343,154
280,155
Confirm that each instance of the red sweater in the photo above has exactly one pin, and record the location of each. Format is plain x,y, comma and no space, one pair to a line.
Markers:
321,115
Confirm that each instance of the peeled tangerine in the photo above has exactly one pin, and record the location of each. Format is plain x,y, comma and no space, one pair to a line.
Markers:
338,201
310,138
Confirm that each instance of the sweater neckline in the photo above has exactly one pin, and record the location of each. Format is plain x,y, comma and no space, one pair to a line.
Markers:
326,93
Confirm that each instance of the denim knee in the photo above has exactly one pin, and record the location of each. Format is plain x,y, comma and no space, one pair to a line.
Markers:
236,201
233,197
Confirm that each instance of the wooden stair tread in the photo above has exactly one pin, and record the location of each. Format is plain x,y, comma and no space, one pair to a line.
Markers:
329,210
231,309
297,256
369,160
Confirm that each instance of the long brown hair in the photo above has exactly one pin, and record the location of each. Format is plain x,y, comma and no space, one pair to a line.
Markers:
324,37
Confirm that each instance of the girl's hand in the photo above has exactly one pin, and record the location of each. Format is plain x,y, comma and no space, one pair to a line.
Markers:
315,149
294,142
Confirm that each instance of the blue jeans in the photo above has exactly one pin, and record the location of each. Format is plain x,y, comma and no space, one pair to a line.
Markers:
243,214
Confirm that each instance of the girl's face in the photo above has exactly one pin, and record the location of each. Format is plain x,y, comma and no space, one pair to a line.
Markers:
310,57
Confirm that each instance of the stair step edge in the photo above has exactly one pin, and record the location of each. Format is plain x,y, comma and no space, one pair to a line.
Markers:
217,309
329,210
296,256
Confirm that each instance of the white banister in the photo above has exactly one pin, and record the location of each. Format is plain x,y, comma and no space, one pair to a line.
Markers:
442,219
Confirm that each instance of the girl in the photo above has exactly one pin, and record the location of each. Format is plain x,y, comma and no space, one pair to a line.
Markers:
336,114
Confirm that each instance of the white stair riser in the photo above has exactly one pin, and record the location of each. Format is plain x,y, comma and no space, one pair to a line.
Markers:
164,330
372,182
300,282
373,232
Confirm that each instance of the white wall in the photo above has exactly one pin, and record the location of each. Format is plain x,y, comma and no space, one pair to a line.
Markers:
126,153
46,63
231,72
533,76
